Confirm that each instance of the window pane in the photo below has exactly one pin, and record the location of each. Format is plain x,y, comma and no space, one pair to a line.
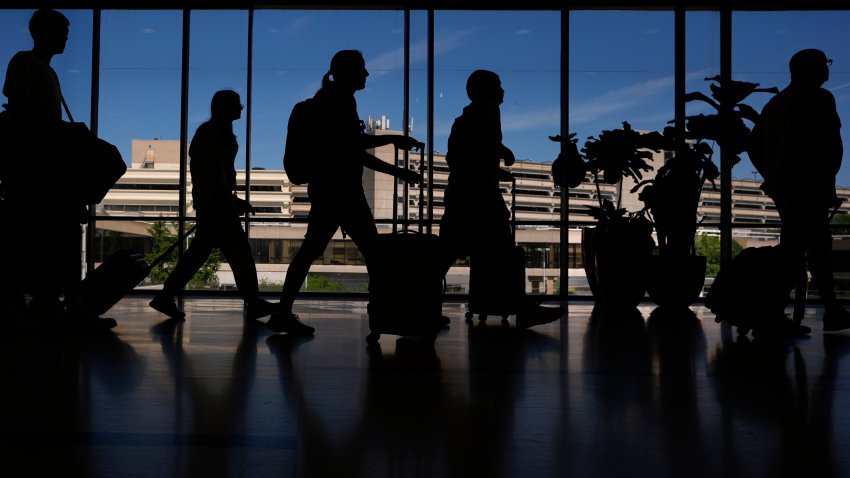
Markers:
523,48
763,44
621,69
218,60
140,108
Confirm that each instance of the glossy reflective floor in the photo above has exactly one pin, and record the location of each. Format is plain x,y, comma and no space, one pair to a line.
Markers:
594,395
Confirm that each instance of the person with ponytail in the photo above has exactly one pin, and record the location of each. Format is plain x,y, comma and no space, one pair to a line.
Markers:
335,188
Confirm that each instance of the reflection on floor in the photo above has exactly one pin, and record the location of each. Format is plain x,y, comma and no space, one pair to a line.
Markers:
639,393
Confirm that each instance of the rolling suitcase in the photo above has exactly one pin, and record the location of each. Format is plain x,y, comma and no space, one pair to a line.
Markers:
405,286
119,274
489,296
752,289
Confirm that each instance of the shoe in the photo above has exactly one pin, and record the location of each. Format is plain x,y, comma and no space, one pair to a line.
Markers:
165,303
289,323
259,308
836,319
533,314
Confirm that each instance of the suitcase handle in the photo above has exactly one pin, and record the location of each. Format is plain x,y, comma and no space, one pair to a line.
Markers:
171,248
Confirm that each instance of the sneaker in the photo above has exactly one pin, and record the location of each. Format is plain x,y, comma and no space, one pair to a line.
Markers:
533,314
836,319
289,323
259,308
165,303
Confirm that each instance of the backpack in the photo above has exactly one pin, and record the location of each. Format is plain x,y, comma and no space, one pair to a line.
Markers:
300,141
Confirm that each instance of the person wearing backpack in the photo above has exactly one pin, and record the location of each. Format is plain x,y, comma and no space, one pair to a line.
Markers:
334,177
796,147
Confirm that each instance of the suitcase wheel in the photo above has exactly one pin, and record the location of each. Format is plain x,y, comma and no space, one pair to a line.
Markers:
468,315
373,338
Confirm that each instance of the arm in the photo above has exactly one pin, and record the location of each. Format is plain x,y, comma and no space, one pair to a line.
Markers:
376,164
369,141
507,155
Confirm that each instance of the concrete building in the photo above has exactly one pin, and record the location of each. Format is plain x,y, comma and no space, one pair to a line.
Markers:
150,191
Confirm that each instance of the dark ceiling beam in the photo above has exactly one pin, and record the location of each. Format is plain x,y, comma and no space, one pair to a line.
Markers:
751,5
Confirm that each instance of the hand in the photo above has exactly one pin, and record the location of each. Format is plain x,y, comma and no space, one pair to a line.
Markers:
408,143
409,176
508,156
505,175
243,206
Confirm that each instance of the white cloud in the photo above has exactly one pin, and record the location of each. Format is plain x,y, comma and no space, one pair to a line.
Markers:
148,31
839,87
394,59
523,31
651,31
526,120
588,110
616,100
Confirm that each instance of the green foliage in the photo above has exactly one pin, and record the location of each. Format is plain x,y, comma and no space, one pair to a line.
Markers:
162,240
841,219
709,246
316,282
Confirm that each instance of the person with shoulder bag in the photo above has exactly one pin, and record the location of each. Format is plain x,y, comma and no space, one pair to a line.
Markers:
41,203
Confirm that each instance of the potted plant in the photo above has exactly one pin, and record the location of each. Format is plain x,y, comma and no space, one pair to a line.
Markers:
677,275
617,251
671,198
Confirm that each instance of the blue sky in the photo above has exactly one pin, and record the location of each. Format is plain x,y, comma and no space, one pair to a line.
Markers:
621,66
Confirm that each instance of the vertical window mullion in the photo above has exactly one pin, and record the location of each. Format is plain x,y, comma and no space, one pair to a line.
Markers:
184,131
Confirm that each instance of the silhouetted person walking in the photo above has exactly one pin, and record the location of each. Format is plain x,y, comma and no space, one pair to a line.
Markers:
335,189
796,146
476,222
212,156
41,202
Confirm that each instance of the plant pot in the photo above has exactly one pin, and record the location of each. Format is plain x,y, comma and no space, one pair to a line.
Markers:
675,282
616,258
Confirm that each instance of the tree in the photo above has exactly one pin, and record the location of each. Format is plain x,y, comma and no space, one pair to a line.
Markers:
162,240
709,246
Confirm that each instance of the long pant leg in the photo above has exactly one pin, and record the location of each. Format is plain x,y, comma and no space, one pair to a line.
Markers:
320,231
237,251
358,223
192,261
820,261
806,236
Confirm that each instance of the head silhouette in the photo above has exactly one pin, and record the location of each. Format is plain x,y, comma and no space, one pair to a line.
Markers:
348,69
484,86
225,105
49,31
810,66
